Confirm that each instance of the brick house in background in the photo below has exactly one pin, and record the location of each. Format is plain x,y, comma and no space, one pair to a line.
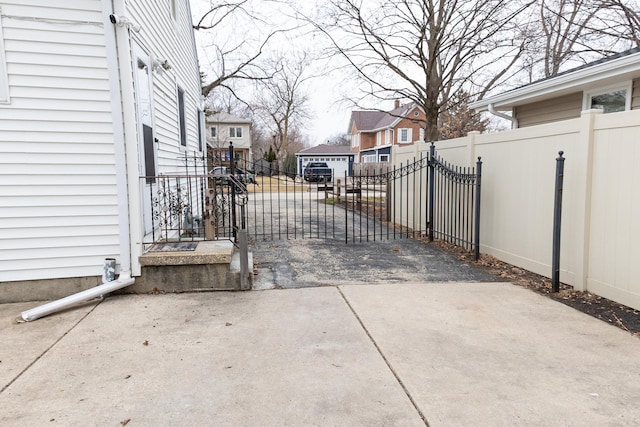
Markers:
374,132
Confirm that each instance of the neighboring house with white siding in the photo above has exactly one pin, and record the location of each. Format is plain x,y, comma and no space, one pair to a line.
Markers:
223,129
611,84
87,108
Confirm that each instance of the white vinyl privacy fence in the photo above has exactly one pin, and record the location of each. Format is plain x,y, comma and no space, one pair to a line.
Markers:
601,200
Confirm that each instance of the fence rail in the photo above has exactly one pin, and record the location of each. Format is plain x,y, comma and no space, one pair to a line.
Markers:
426,197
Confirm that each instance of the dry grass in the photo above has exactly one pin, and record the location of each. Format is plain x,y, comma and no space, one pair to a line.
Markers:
267,184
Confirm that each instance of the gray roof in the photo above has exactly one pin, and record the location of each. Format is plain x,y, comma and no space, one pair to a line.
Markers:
223,117
610,70
369,120
337,150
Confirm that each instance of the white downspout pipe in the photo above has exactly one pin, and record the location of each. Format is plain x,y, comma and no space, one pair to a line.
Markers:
513,120
86,295
124,278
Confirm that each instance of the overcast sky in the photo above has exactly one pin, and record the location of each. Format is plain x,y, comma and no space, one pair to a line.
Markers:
328,116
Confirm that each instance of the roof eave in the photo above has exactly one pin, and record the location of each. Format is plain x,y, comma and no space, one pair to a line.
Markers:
620,69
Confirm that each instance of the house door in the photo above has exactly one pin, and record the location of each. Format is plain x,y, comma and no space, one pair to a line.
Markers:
146,146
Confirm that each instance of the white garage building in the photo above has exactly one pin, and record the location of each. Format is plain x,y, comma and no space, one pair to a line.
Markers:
339,158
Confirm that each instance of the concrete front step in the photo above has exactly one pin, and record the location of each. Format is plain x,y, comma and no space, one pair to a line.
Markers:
213,265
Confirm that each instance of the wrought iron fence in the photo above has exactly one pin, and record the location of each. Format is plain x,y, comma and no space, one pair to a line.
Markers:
426,198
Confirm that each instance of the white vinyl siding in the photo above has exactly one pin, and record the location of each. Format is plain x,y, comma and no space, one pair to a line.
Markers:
172,39
4,83
59,215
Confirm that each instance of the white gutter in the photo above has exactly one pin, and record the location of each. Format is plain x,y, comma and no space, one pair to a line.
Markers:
513,120
620,69
125,278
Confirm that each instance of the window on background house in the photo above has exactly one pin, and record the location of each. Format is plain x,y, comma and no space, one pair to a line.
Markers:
235,132
378,138
404,135
610,100
384,158
181,118
421,134
214,132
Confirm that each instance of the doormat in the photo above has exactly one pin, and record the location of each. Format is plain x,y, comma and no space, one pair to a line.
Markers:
175,247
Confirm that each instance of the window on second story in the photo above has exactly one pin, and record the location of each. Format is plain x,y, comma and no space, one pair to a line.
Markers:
235,132
214,132
404,135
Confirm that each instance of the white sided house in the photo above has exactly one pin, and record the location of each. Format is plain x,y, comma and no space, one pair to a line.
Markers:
94,95
224,129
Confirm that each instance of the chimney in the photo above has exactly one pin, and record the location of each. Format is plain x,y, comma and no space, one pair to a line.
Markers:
396,104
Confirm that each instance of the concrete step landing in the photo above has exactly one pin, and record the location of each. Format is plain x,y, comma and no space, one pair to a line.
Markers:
207,265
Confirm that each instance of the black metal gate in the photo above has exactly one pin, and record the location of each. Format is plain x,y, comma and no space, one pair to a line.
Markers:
426,198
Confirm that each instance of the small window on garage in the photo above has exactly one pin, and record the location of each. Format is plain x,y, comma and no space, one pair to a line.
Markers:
610,100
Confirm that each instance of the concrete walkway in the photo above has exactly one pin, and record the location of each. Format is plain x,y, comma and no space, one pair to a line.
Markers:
437,354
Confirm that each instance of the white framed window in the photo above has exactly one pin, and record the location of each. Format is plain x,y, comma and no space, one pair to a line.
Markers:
182,123
384,158
355,140
213,132
404,135
378,138
610,99
235,132
387,136
421,134
4,79
369,158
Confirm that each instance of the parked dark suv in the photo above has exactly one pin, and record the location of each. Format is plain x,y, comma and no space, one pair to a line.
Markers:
317,171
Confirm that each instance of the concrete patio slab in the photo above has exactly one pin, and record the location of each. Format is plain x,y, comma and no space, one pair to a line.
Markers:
495,354
24,343
286,357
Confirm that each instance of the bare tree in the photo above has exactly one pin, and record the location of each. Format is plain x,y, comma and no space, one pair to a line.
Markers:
573,32
281,102
234,53
424,50
625,22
